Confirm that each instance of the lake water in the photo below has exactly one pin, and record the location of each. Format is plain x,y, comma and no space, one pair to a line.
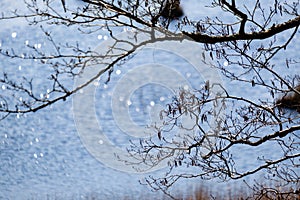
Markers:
43,156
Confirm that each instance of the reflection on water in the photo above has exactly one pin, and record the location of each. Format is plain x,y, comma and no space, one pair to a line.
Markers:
41,153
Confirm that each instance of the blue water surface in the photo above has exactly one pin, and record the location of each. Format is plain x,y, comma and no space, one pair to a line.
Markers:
41,153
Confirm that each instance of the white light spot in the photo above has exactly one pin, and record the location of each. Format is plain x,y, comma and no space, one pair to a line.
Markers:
96,83
20,99
186,87
118,72
105,37
0,44
225,63
121,98
18,116
30,143
137,109
22,56
26,42
105,86
48,90
37,140
20,67
152,103
81,91
188,75
5,135
100,37
14,34
35,155
100,141
129,102
3,87
37,46
162,98
42,95
47,96
41,154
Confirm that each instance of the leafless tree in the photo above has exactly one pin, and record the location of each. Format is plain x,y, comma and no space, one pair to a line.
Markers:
254,35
